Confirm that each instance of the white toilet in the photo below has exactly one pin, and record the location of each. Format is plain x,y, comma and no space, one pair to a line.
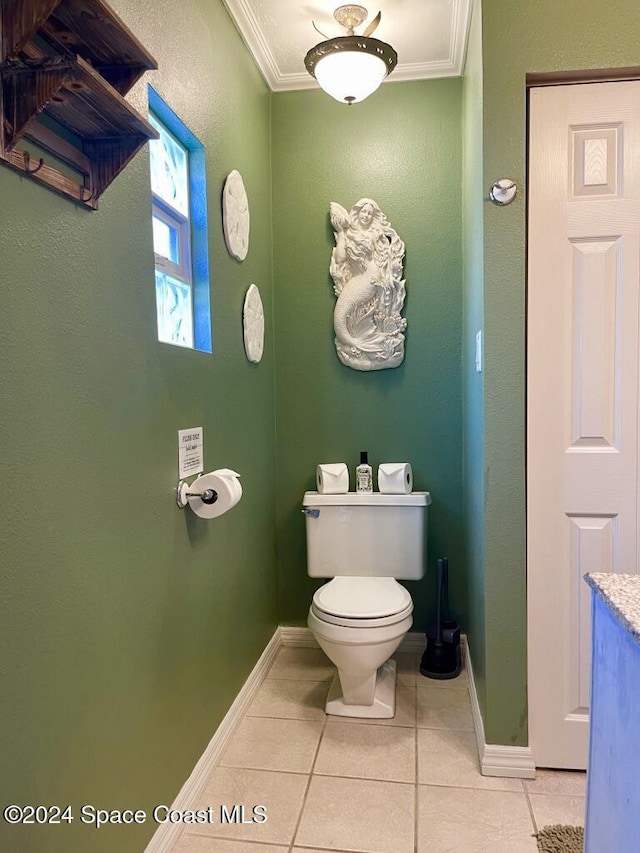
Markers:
364,542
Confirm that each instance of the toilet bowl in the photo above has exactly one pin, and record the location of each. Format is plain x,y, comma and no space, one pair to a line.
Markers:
359,623
363,542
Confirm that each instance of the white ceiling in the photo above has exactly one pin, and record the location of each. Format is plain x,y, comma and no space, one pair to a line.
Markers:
428,35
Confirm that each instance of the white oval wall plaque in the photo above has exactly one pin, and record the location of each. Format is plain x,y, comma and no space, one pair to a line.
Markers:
235,216
253,322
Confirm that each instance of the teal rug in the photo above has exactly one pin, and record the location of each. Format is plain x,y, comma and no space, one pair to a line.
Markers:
561,839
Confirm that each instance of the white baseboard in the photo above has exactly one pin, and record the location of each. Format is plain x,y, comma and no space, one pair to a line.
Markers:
167,834
496,759
303,638
514,761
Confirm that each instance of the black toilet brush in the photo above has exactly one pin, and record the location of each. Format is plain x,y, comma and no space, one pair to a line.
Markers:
441,658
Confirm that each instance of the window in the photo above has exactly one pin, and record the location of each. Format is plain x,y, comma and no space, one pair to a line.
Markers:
179,215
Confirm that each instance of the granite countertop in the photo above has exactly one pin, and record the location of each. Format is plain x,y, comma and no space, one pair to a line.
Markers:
621,594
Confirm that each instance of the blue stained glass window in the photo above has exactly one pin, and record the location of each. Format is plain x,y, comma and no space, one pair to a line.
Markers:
175,310
166,240
169,169
180,232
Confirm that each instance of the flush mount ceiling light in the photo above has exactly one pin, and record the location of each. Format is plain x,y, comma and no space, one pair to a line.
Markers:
351,67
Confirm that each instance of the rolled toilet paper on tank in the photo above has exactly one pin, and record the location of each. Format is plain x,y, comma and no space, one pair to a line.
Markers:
225,484
333,478
395,478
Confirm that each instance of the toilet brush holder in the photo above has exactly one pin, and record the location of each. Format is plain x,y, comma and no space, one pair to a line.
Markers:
442,658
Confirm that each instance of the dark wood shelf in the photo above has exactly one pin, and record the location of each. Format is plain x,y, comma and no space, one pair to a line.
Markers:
86,28
64,69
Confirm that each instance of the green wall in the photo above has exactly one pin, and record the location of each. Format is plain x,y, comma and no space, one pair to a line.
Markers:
119,611
402,148
473,321
518,39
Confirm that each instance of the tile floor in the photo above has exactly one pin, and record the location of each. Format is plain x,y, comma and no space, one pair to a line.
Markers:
407,785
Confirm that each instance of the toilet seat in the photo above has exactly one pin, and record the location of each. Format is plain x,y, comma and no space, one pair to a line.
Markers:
362,602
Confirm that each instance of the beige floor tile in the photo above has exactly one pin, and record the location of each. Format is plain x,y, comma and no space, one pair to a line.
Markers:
569,783
358,815
361,797
460,681
444,709
549,809
406,666
459,820
450,757
301,663
199,844
367,752
308,850
281,794
405,709
262,743
294,700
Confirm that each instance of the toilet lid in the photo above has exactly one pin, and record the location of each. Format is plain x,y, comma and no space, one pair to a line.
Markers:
362,598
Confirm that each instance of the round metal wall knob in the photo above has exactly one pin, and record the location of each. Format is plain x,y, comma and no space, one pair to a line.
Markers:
503,192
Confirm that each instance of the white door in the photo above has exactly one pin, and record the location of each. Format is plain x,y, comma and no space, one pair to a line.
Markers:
582,388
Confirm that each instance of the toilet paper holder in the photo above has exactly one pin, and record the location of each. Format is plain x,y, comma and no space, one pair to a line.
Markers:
208,496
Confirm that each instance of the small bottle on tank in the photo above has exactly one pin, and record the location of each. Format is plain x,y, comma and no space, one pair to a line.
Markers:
364,474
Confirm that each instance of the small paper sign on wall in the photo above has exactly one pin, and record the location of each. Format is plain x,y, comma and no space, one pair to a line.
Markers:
190,452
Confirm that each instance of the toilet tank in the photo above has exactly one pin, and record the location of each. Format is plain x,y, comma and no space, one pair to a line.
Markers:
366,535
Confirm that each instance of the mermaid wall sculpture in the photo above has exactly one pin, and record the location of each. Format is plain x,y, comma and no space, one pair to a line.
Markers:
366,268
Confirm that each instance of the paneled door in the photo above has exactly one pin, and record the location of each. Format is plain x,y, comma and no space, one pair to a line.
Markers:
582,388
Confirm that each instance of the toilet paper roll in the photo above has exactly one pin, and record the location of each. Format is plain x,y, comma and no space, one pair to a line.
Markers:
333,479
225,484
395,478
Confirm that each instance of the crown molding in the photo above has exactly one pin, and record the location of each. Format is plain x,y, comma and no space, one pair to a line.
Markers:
278,81
252,35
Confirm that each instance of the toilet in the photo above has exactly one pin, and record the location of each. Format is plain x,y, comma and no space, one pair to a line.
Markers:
365,543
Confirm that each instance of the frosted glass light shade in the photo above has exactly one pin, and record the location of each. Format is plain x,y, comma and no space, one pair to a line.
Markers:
350,77
350,68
